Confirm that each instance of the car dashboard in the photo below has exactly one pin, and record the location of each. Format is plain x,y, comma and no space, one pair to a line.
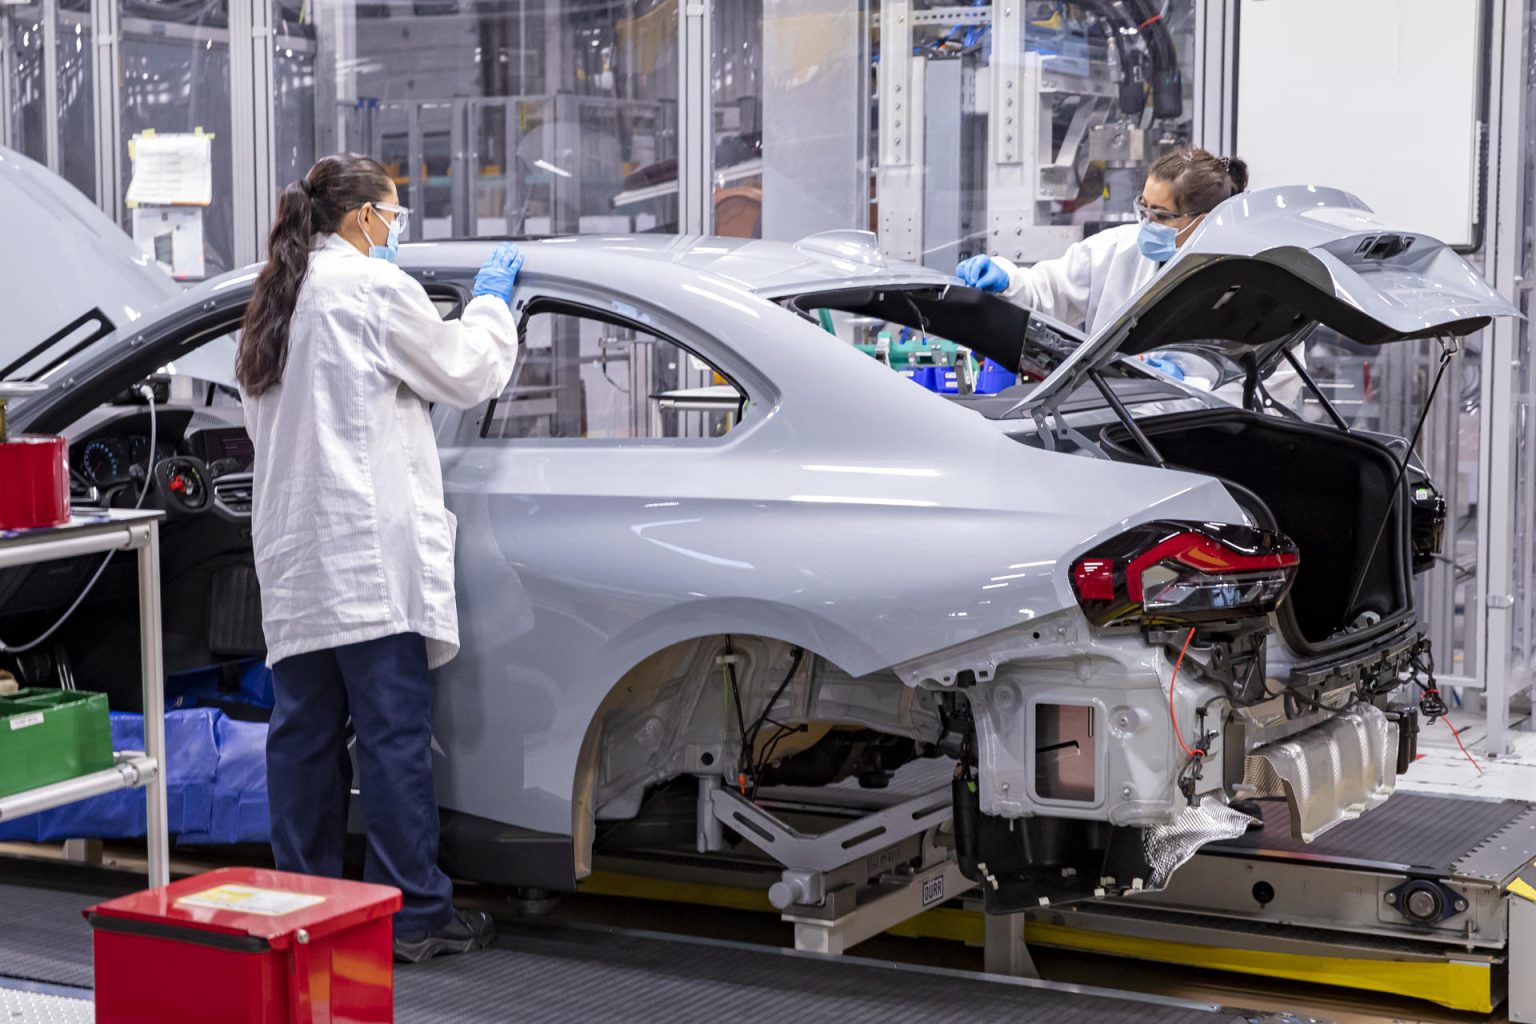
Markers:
201,458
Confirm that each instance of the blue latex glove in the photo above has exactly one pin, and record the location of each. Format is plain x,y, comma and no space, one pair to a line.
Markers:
1162,365
980,272
499,273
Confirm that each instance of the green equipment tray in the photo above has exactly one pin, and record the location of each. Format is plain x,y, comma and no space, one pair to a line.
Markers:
51,735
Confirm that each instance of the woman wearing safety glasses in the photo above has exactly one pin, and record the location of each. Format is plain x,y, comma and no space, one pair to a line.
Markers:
1088,284
1095,277
340,356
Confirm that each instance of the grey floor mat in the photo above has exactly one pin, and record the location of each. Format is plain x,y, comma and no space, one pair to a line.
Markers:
43,937
552,973
1417,830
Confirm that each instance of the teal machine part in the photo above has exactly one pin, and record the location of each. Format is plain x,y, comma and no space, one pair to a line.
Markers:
913,350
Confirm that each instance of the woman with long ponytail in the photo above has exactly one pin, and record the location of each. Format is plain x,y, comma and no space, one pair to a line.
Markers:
340,356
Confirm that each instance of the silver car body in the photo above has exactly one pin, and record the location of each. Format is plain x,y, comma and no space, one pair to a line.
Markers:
911,545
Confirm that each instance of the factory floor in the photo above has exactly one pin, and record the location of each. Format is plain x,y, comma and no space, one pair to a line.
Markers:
678,962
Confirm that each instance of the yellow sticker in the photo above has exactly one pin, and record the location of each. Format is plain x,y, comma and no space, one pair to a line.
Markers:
246,899
1520,887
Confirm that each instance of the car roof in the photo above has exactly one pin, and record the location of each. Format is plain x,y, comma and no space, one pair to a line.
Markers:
770,268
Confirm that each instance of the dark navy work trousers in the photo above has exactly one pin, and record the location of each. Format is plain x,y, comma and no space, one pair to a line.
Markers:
386,690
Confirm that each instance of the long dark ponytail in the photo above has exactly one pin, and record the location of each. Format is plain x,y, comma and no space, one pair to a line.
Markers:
315,204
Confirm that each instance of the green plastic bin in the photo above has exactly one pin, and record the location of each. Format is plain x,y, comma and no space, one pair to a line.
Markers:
52,735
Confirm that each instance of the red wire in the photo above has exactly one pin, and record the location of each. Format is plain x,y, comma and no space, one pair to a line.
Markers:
1172,717
1457,733
1149,21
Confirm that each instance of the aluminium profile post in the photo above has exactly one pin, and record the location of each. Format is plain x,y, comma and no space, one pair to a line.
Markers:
695,129
52,123
1495,540
107,106
252,147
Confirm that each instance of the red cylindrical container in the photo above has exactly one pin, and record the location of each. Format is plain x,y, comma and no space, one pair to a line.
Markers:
34,482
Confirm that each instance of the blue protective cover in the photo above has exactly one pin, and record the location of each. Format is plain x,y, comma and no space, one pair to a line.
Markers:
239,811
216,786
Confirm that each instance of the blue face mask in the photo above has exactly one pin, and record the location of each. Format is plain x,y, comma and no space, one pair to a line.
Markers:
1157,242
391,246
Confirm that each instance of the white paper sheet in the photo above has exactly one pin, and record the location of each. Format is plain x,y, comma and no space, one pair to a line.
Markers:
173,235
247,899
172,170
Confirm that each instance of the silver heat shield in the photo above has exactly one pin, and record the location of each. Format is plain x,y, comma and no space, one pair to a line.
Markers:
1169,847
1331,773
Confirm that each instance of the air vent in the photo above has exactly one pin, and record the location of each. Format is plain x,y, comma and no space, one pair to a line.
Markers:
233,493
1383,247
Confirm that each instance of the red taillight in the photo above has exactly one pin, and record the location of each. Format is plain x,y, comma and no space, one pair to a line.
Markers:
1202,554
1183,572
1094,579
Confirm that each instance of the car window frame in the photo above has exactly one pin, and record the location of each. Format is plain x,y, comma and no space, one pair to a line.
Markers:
649,321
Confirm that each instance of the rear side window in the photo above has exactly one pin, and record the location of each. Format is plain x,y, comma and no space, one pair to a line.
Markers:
584,376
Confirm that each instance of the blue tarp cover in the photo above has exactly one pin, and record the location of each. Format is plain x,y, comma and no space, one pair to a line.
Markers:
217,786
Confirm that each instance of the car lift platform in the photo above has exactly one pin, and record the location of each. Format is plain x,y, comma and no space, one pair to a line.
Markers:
545,972
1426,896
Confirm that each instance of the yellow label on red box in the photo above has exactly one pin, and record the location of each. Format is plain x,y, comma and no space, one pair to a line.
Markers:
247,899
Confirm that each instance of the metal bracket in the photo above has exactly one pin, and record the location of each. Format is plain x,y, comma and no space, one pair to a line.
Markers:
953,16
833,849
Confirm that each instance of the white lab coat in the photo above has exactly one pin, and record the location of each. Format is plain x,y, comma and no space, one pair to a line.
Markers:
351,536
1092,282
1088,284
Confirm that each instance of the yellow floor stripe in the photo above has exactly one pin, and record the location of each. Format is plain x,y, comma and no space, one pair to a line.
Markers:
1455,985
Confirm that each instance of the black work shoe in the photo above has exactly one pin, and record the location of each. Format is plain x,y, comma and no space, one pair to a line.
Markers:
468,931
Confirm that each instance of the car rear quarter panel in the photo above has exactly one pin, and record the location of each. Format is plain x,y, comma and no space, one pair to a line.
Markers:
858,516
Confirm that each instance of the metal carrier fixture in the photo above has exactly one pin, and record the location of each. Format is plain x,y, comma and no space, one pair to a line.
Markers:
1432,897
851,882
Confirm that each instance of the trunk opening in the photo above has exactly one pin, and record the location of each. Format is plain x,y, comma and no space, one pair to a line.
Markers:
1326,490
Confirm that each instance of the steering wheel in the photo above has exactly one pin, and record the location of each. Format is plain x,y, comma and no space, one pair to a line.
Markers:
179,485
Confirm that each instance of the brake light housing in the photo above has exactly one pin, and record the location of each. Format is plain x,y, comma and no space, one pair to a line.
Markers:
1171,573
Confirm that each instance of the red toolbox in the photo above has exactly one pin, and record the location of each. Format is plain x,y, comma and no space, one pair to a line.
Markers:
244,945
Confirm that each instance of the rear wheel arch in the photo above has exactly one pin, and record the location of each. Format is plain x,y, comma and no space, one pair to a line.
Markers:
647,673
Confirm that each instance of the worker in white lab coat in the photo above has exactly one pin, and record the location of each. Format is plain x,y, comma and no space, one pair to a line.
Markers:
1094,279
340,356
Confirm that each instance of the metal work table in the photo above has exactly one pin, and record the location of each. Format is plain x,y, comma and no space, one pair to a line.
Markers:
93,534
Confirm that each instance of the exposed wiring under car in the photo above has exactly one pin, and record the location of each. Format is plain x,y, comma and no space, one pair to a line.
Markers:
148,394
1195,756
1432,706
749,769
749,744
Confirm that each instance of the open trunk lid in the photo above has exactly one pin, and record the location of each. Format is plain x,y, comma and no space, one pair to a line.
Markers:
1267,265
69,275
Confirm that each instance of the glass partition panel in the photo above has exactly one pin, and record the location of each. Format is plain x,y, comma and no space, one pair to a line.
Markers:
23,39
294,98
77,105
176,82
510,118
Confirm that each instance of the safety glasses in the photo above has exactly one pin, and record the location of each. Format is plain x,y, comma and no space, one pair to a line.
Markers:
402,214
1145,212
